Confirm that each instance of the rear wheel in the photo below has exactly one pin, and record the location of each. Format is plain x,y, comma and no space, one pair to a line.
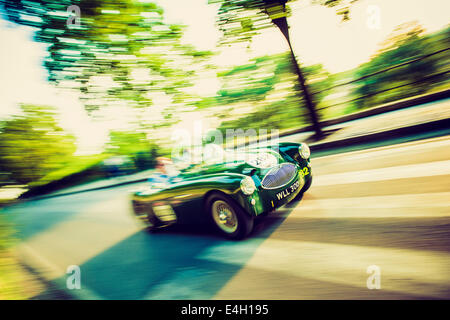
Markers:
228,217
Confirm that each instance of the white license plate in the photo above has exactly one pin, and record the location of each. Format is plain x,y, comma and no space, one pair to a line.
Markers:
288,191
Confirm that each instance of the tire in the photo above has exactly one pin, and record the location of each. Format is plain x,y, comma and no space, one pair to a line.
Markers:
227,217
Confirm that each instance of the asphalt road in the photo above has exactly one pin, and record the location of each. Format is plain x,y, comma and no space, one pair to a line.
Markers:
387,206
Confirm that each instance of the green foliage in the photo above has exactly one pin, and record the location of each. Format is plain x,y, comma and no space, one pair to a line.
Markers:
115,41
32,144
134,145
318,79
240,20
276,115
252,82
125,143
269,85
206,102
89,165
405,44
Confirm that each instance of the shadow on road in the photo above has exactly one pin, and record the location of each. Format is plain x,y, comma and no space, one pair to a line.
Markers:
179,262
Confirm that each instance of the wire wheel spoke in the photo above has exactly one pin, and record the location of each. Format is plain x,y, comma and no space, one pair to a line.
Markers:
224,216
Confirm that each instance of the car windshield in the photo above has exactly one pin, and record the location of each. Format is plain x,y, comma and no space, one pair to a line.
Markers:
212,154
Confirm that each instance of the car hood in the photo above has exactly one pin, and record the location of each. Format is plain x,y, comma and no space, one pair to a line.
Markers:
246,163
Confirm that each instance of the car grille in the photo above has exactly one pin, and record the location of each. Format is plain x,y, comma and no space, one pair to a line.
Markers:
279,176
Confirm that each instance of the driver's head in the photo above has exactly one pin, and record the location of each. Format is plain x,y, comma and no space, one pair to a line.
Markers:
162,163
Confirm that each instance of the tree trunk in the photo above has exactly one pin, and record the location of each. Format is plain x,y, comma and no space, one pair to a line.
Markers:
281,23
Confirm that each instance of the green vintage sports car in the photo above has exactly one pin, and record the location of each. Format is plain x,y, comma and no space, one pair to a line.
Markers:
227,189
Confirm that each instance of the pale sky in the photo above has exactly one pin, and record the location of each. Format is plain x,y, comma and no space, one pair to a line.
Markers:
317,36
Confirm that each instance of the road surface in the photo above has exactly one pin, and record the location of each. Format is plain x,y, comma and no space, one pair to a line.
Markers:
386,207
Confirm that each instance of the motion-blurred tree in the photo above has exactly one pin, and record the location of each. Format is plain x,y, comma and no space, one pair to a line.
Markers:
135,145
240,20
32,144
253,81
269,85
405,43
114,51
127,143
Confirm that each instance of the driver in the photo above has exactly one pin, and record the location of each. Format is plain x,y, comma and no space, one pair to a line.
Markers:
165,171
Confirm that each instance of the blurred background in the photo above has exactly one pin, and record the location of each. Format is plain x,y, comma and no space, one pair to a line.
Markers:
92,90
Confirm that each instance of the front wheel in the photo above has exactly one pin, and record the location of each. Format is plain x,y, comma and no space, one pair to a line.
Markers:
228,217
307,185
305,188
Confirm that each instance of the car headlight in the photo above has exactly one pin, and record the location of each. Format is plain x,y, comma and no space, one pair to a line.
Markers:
248,186
304,151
